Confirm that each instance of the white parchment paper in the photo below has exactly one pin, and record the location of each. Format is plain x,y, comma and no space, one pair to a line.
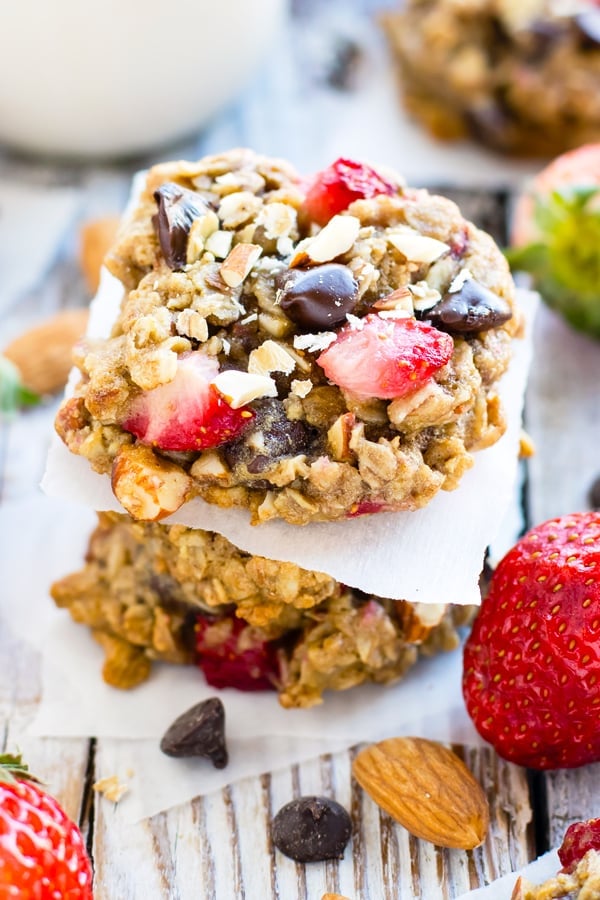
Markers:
537,872
45,539
431,555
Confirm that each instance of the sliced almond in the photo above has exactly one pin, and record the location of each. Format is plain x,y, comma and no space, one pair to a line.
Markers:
219,243
239,388
338,437
314,343
301,387
275,324
202,227
401,298
209,465
148,487
336,238
418,619
424,296
427,788
417,247
43,355
270,357
239,263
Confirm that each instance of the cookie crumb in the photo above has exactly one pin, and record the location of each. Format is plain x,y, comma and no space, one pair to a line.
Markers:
111,788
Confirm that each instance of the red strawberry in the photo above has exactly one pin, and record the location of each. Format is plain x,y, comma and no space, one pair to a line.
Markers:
578,168
579,838
556,235
188,413
334,189
532,662
42,854
233,654
385,358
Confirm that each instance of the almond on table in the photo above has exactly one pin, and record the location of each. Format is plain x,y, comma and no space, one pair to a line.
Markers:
44,354
96,238
427,788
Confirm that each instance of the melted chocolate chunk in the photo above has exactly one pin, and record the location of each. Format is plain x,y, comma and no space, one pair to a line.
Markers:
311,829
318,299
469,310
588,26
270,437
199,732
489,123
542,36
177,209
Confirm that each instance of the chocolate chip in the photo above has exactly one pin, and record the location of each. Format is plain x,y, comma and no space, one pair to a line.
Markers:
177,209
271,436
541,36
318,299
311,829
199,732
469,310
594,493
489,123
588,26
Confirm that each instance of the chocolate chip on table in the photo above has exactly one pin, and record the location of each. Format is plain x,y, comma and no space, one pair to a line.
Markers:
594,493
318,299
311,829
177,209
470,309
199,732
587,23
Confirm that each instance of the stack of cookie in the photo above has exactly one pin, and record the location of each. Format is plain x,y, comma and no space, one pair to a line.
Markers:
309,351
522,78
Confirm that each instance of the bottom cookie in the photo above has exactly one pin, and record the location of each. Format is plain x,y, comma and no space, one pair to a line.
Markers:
157,592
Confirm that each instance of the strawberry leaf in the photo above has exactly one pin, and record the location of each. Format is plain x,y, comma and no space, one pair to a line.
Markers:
12,768
13,394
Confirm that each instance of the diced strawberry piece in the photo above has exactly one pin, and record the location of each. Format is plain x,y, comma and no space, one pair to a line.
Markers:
367,508
233,654
334,189
579,838
385,358
188,413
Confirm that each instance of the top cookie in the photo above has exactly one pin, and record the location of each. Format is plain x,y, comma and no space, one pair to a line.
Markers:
308,349
521,77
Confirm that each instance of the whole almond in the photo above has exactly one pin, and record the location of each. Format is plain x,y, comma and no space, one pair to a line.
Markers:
43,354
96,238
427,788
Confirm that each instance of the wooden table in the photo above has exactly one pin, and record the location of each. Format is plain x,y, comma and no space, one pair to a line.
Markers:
218,846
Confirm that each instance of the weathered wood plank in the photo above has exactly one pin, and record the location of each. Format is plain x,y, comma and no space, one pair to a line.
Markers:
219,846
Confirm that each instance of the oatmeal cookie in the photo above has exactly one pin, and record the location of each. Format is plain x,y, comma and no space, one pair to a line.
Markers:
522,78
155,592
582,883
309,350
